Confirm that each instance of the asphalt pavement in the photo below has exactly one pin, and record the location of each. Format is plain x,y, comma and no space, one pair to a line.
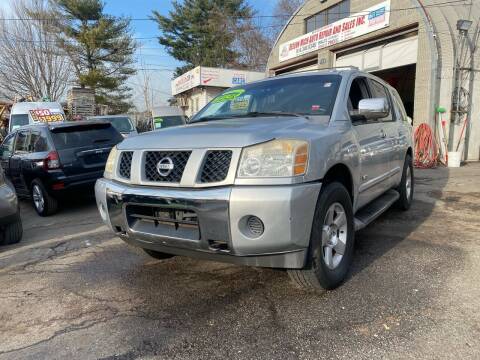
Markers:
72,290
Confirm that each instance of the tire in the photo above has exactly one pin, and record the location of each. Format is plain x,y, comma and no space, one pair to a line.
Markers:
324,269
405,189
12,233
158,255
42,201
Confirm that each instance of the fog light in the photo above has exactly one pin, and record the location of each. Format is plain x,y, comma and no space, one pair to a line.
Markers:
255,226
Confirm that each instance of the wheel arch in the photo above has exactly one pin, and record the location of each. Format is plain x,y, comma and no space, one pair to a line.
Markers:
342,174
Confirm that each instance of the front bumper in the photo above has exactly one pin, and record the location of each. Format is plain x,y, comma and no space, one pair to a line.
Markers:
286,212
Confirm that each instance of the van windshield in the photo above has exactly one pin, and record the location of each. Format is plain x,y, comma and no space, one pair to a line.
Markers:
300,95
18,120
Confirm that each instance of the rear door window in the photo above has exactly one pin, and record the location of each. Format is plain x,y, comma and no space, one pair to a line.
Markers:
85,136
38,141
21,144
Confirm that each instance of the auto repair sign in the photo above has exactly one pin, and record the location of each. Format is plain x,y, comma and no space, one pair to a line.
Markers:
371,19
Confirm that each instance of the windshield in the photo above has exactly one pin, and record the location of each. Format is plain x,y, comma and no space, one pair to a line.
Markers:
302,95
18,120
161,122
122,124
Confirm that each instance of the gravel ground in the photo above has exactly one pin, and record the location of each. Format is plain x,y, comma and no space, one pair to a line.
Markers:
72,290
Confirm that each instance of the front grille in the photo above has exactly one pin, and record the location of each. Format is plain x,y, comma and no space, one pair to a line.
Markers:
216,166
125,167
178,160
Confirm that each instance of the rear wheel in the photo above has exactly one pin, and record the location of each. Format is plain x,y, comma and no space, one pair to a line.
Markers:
43,202
405,189
158,255
12,233
331,241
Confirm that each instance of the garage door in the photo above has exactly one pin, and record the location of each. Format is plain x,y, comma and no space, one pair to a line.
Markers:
385,56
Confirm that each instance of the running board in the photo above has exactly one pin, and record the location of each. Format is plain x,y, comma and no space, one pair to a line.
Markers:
377,207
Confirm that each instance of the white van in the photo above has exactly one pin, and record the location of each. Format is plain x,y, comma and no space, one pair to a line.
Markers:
24,113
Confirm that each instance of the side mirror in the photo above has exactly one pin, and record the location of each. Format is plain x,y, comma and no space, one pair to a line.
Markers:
372,109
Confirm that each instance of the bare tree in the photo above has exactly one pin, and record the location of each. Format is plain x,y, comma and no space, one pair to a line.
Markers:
282,12
31,65
253,45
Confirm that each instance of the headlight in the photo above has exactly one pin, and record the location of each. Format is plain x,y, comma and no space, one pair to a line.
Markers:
110,165
277,158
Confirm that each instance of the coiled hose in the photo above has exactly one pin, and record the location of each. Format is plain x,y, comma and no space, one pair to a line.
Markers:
426,148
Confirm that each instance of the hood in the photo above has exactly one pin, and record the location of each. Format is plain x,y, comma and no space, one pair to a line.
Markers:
229,133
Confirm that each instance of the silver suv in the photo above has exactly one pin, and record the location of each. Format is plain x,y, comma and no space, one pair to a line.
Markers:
276,173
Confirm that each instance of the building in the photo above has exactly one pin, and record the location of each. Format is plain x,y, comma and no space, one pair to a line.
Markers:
422,48
194,89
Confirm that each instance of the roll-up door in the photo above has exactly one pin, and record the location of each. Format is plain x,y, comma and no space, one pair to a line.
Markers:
385,56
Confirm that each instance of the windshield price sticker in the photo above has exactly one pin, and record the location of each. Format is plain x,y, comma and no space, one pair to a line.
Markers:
240,103
228,96
158,122
44,115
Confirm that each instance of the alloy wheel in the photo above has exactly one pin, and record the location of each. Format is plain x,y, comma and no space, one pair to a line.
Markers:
334,235
38,199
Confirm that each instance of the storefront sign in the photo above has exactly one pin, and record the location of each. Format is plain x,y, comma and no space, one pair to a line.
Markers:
216,77
372,19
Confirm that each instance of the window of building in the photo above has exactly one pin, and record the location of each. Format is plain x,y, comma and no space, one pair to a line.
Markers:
328,16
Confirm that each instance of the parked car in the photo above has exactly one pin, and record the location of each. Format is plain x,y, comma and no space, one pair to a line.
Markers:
276,173
25,113
167,116
10,222
45,161
122,123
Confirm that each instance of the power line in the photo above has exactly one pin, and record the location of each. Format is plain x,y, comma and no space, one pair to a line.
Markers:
441,4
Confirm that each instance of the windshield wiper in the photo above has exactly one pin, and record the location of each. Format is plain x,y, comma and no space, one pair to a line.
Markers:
271,113
252,114
208,118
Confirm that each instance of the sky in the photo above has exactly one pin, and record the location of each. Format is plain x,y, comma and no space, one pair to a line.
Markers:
150,54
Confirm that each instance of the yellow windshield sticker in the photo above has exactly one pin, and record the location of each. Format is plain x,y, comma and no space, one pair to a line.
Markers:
228,96
240,103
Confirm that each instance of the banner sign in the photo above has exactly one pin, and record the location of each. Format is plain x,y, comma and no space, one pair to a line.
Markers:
372,19
215,77
45,115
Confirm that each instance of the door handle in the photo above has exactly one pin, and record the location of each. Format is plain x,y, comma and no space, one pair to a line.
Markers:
383,134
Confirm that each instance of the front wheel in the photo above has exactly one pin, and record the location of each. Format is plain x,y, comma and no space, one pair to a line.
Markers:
331,241
12,233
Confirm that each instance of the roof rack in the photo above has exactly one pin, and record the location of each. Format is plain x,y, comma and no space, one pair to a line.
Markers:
349,67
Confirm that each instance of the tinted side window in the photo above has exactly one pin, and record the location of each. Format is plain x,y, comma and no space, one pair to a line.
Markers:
38,141
379,91
7,147
21,144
